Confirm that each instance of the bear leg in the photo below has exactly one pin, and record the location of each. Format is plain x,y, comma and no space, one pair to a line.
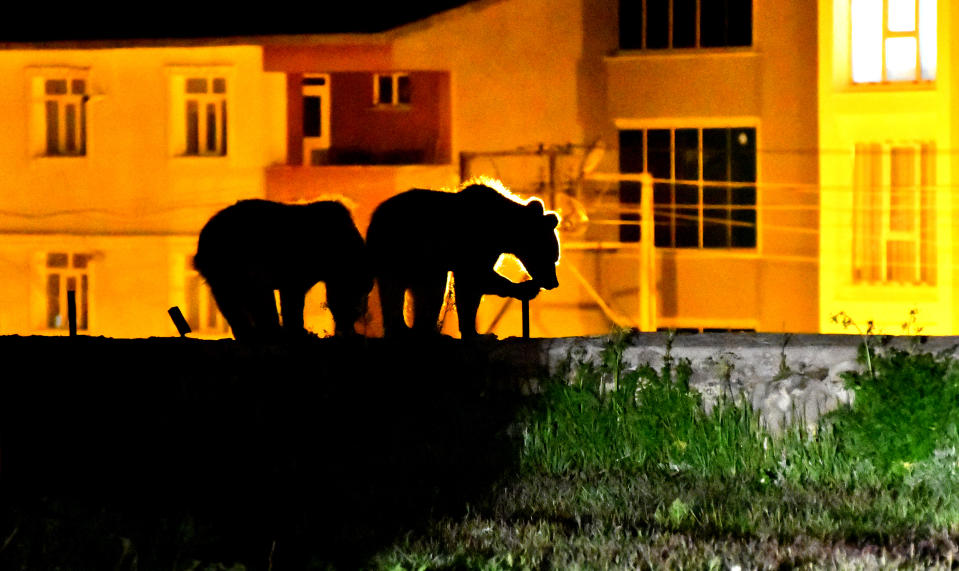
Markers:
346,302
261,304
229,301
428,297
392,298
467,305
292,301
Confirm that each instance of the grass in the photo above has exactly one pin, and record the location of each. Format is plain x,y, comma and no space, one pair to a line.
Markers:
624,469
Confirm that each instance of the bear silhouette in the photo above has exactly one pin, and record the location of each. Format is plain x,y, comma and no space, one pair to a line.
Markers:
416,237
249,249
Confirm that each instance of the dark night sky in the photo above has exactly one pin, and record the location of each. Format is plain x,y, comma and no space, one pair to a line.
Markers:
40,21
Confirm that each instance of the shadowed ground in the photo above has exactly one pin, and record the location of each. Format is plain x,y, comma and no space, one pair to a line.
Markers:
173,451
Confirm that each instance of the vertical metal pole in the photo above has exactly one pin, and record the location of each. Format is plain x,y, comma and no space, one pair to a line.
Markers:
525,319
647,257
72,311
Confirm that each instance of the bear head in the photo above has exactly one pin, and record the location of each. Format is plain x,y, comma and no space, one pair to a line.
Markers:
537,244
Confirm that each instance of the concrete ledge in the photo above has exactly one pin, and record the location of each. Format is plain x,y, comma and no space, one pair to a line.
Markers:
784,377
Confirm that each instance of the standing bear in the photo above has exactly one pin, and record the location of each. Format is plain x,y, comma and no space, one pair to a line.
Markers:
249,249
416,237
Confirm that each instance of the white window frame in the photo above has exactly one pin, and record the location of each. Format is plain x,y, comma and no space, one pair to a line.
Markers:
395,89
311,144
73,99
879,39
81,274
208,320
906,225
221,105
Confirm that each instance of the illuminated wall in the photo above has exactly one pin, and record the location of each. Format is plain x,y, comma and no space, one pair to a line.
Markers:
886,140
120,154
765,90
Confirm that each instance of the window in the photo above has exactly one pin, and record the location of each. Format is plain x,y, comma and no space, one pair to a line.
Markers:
60,112
894,214
664,24
316,118
893,40
391,89
201,310
205,108
704,185
67,272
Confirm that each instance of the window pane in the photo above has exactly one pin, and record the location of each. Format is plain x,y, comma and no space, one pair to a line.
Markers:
739,22
53,127
712,23
742,167
56,87
82,299
56,260
743,229
684,23
54,319
80,261
211,130
631,151
902,15
192,128
867,32
659,155
630,24
311,117
716,154
687,219
901,261
78,87
927,38
196,85
630,161
314,81
901,59
386,89
657,24
903,189
219,85
664,212
223,128
403,88
715,220
193,284
71,128
687,154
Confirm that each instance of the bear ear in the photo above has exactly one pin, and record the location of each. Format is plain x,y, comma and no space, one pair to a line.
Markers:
552,220
536,206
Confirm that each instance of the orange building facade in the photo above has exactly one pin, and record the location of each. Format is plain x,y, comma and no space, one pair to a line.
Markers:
741,123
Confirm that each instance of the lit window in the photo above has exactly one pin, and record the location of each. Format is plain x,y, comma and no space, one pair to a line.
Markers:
202,313
704,185
893,40
664,24
205,116
63,98
67,272
391,89
894,214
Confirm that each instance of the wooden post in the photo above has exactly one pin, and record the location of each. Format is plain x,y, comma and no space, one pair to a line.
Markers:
72,311
177,316
525,319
